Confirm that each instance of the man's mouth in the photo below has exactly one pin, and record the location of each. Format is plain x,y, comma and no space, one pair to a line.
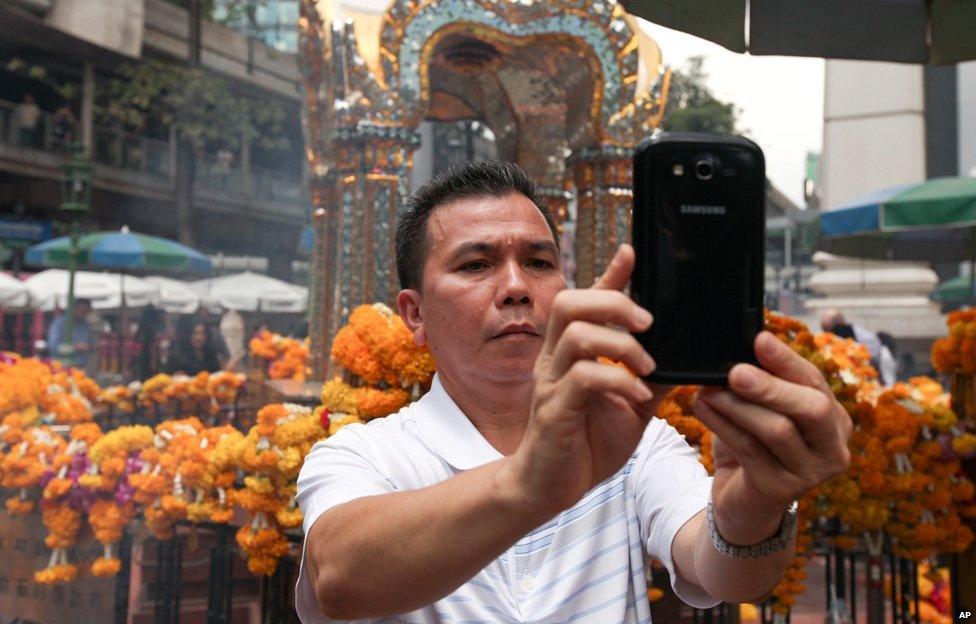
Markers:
518,329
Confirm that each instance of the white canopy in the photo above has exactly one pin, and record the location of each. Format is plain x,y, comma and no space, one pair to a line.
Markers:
13,293
250,292
175,296
49,289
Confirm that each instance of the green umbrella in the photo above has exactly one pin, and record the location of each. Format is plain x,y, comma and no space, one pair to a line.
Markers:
120,250
959,288
933,220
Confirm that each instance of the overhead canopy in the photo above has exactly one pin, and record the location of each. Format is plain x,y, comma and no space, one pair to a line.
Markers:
253,292
931,220
907,31
49,289
13,293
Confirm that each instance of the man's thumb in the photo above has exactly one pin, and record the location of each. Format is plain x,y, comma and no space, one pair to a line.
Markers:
617,274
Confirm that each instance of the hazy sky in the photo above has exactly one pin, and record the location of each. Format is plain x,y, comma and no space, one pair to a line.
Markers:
780,100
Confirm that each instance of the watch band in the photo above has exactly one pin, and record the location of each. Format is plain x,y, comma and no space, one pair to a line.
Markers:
776,543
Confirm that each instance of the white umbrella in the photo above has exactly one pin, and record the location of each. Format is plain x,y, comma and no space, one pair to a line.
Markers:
175,296
49,289
251,292
13,293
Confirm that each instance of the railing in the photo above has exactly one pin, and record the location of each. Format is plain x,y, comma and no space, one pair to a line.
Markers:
269,184
223,173
216,172
133,152
45,135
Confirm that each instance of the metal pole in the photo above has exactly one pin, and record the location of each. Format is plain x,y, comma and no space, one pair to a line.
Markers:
122,579
88,108
972,265
66,349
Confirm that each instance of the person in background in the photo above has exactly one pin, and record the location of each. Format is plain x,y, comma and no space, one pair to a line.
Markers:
81,334
27,116
888,359
149,324
832,320
232,331
194,350
216,338
64,127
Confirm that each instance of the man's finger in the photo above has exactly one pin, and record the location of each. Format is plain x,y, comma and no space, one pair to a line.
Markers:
617,274
776,432
586,378
812,410
779,359
587,341
600,307
747,450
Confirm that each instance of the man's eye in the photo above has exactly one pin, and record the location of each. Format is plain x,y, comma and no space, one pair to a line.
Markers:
473,266
542,264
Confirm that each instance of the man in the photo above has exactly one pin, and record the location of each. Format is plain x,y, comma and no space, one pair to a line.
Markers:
531,482
81,334
216,337
883,360
27,115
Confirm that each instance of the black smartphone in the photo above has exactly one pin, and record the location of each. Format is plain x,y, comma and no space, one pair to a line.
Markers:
699,234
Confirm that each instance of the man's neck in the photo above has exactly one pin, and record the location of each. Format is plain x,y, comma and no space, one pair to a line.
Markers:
499,411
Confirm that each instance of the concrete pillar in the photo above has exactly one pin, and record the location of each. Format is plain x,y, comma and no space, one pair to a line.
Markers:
246,182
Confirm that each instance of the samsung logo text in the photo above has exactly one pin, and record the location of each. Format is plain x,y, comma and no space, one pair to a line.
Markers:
702,209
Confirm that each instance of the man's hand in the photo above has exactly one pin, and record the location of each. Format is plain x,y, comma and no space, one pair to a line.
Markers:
779,433
587,417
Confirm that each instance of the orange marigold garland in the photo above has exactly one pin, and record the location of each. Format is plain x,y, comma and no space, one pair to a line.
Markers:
956,353
287,357
385,370
272,454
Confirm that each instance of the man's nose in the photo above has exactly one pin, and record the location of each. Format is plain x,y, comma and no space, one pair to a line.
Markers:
514,288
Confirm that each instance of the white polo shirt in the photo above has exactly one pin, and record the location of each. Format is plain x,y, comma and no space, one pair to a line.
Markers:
586,565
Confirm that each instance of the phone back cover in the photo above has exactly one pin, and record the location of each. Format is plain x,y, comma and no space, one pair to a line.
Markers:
700,254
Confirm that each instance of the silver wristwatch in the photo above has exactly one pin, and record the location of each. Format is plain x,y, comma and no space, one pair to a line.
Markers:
776,543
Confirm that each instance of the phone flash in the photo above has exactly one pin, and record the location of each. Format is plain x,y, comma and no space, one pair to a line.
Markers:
678,170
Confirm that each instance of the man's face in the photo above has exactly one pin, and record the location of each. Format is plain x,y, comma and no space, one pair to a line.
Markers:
491,274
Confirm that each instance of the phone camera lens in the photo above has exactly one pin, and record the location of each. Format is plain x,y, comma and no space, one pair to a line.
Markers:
704,169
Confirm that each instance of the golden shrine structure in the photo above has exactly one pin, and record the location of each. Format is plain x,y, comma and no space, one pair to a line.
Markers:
568,88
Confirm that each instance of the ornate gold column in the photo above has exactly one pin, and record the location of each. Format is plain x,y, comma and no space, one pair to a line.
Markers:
558,200
358,206
603,206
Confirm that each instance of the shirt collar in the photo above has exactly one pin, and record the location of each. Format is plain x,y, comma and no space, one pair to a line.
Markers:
450,433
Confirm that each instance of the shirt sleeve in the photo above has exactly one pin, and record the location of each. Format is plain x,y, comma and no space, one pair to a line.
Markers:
670,486
336,471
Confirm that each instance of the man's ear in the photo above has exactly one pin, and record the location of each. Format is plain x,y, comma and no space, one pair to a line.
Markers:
408,305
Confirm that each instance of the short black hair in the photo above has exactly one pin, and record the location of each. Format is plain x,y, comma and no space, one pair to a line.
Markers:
486,178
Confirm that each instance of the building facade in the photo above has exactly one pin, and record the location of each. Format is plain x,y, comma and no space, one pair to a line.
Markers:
62,55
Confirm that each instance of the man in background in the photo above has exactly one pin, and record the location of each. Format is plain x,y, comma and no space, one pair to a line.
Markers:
883,360
81,334
27,115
